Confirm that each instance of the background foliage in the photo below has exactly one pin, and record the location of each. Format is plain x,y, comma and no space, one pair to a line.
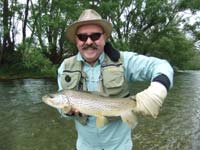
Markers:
148,27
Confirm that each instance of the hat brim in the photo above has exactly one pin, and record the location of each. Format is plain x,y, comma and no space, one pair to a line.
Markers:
71,30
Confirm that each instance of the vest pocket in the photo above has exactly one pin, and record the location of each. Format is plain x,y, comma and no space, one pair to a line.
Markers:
70,79
113,79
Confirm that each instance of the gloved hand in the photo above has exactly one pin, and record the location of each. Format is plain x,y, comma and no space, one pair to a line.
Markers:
149,101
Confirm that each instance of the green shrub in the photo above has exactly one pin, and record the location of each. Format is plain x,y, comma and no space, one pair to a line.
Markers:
33,60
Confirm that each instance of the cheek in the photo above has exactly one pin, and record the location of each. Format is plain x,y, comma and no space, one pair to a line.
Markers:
102,42
101,45
79,45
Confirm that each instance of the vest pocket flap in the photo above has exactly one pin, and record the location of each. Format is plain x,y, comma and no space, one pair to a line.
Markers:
70,79
113,77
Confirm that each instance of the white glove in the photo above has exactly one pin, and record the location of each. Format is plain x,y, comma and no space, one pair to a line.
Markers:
149,101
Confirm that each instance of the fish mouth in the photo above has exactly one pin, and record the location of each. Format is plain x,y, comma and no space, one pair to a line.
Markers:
54,99
51,96
44,98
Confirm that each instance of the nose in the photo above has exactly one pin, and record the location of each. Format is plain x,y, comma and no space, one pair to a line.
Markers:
89,41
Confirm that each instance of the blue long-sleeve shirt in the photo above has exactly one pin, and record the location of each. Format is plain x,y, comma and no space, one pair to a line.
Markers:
115,135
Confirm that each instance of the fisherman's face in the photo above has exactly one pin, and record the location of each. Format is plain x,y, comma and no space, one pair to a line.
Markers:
90,47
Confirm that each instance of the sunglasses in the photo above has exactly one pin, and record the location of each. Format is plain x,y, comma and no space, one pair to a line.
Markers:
93,36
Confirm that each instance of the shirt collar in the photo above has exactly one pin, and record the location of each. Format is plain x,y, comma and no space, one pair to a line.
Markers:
100,59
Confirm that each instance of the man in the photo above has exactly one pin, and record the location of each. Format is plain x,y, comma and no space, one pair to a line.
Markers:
99,67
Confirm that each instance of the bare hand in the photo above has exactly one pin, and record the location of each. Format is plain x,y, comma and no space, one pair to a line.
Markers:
73,111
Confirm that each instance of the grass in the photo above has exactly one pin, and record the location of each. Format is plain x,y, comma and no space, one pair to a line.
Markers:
194,63
16,72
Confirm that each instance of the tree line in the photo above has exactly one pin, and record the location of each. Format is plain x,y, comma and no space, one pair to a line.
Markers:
149,27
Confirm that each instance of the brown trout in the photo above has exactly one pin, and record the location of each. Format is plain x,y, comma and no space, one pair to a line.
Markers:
94,105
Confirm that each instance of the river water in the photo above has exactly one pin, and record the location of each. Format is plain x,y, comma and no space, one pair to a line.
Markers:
28,124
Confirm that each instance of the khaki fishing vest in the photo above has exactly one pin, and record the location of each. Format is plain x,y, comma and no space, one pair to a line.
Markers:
112,80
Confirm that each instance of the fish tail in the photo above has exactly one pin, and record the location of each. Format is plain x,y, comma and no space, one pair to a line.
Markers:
129,118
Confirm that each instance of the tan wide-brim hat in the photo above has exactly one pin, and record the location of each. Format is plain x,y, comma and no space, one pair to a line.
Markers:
88,16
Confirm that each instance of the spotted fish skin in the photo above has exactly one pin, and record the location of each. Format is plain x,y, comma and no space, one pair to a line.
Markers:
94,105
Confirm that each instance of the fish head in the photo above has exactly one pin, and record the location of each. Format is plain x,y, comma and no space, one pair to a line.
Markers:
57,100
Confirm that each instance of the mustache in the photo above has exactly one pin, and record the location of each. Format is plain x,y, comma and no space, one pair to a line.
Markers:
93,46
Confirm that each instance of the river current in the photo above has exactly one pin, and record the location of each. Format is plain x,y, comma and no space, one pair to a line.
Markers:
28,124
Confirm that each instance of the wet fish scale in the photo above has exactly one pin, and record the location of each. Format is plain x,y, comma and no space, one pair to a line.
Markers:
94,105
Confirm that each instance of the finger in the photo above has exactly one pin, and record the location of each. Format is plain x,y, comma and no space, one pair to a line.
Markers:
76,112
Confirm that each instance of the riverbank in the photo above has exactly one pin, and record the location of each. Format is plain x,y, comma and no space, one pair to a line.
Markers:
4,78
12,73
32,75
15,76
25,75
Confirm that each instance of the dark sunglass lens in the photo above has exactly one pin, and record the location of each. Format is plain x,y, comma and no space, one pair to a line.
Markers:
95,36
82,37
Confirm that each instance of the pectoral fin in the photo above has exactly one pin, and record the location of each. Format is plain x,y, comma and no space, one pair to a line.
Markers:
101,121
129,118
